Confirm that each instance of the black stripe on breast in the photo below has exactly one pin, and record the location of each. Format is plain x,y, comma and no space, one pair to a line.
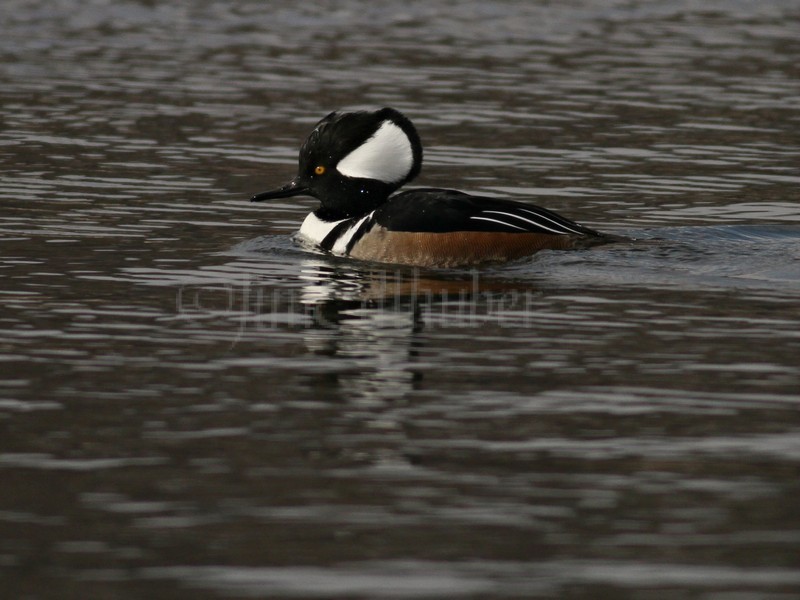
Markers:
342,228
334,234
368,224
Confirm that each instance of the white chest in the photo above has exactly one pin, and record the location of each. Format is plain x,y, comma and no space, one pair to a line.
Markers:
314,230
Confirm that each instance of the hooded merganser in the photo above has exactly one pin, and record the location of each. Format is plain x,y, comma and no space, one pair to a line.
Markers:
352,163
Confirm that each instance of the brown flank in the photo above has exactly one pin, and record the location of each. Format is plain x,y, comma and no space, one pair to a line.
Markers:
460,248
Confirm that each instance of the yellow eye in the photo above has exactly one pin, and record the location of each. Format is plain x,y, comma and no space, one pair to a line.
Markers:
319,170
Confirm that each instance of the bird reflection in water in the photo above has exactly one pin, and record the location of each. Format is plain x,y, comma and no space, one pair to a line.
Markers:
375,319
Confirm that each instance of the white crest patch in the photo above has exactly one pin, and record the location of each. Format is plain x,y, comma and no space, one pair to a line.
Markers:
314,229
387,156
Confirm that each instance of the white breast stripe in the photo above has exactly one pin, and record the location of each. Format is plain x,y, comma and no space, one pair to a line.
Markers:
496,221
315,230
386,156
340,247
561,231
551,220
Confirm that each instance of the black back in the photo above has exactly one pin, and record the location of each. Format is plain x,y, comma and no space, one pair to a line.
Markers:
444,211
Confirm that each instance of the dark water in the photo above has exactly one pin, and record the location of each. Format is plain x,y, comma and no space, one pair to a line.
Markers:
193,407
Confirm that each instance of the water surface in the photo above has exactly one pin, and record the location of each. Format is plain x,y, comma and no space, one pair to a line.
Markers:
193,406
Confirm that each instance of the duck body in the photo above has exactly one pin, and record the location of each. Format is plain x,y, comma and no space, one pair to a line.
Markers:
353,162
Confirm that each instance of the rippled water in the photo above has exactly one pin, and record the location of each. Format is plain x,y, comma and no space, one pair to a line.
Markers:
192,406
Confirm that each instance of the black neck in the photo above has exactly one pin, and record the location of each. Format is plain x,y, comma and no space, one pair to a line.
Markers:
352,198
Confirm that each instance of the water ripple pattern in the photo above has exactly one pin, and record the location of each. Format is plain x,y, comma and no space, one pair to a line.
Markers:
192,405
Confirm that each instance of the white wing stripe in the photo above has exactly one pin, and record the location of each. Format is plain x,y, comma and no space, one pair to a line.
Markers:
496,221
497,212
551,220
